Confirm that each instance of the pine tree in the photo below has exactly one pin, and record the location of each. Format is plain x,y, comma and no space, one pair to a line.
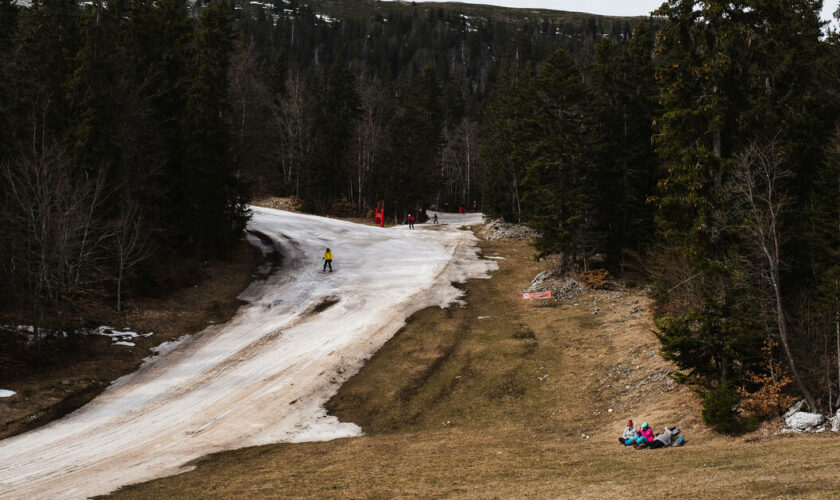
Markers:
214,212
558,184
408,178
624,86
504,143
729,74
43,63
8,28
336,109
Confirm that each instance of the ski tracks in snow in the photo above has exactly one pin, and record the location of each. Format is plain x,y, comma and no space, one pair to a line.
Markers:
264,376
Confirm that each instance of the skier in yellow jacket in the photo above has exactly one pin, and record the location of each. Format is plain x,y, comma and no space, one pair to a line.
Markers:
328,259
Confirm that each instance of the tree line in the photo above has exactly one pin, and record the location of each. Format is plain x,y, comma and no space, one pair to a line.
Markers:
114,151
132,132
706,152
700,145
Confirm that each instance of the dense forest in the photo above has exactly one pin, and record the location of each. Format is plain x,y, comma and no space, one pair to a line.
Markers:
700,146
133,133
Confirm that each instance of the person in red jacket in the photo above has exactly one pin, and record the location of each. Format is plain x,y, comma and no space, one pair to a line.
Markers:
410,222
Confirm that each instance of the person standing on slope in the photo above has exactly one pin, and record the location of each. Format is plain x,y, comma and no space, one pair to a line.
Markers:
328,259
410,222
436,219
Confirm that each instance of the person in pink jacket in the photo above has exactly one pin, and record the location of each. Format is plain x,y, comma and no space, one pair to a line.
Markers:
645,437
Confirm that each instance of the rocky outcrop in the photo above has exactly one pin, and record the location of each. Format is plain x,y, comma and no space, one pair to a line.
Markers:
804,421
835,422
562,288
797,420
498,230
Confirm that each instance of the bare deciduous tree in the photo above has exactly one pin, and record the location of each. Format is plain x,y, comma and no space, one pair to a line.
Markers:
293,126
367,140
459,159
756,202
51,222
130,243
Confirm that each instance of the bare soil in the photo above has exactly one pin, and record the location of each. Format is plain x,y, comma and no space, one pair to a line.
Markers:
91,363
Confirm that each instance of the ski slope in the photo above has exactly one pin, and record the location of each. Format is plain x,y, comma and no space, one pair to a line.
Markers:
264,376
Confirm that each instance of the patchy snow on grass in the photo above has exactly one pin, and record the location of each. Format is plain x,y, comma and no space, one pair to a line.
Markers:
167,346
118,337
264,376
6,393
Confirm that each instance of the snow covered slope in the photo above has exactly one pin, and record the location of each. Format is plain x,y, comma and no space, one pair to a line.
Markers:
264,376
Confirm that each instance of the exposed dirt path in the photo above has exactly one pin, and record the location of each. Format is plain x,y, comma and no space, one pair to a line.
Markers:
264,376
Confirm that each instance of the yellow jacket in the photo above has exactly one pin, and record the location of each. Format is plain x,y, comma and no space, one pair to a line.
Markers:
327,255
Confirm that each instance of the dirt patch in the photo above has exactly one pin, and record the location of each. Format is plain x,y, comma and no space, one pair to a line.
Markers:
93,362
525,333
289,203
325,304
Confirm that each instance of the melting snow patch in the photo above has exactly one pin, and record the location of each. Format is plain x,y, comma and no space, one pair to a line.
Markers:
165,347
273,368
118,337
5,393
495,258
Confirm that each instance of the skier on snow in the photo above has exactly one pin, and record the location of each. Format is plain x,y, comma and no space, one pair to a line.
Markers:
328,259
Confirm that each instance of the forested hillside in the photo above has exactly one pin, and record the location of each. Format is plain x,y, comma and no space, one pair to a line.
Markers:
699,146
132,131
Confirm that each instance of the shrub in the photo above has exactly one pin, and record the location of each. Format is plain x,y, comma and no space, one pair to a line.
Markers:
769,400
596,279
720,408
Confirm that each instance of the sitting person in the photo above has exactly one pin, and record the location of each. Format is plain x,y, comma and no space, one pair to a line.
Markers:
645,437
628,435
667,438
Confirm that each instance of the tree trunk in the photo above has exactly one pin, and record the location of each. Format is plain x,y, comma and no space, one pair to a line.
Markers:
119,287
783,334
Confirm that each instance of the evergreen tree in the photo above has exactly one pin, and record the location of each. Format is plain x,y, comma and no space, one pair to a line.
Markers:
8,28
43,64
558,185
729,74
407,167
625,107
336,110
213,206
504,147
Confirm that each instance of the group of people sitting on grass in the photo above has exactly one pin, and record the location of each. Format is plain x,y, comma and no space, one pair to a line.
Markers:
643,437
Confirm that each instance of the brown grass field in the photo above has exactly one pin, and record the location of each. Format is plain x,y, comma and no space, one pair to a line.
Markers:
499,407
